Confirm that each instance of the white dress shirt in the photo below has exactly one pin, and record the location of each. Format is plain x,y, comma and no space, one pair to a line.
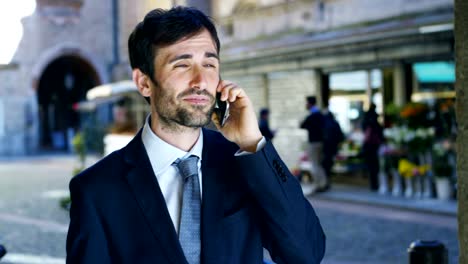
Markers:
162,156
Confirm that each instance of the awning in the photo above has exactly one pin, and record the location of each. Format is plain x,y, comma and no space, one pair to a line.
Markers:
435,72
111,89
91,105
105,94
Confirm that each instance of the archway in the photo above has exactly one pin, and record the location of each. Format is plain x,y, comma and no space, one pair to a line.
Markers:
63,82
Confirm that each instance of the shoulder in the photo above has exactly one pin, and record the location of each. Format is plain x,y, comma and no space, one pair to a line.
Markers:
102,173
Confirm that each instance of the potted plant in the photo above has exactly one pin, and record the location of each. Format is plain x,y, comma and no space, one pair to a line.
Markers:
443,170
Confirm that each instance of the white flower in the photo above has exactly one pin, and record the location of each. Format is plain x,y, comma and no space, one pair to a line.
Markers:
409,136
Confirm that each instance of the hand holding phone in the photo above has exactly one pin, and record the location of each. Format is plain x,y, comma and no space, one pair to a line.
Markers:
242,126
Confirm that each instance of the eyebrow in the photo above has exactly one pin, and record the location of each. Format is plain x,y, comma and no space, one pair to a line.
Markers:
211,55
189,56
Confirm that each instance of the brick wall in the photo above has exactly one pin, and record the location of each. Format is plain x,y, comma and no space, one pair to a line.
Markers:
285,96
287,92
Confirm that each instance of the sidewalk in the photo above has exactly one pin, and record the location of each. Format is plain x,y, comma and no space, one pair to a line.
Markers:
346,192
358,194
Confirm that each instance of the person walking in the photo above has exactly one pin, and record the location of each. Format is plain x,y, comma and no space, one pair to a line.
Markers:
314,124
332,138
264,125
179,193
373,138
3,251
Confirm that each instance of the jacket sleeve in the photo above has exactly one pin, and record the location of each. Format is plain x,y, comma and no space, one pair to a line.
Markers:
86,242
291,230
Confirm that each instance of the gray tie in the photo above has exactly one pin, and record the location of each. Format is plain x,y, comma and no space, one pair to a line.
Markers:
189,231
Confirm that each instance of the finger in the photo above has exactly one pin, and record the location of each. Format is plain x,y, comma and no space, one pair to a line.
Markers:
222,84
219,88
234,93
226,90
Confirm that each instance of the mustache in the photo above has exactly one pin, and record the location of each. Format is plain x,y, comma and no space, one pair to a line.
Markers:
193,91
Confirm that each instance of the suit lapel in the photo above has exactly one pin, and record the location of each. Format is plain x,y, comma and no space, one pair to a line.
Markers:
145,187
212,201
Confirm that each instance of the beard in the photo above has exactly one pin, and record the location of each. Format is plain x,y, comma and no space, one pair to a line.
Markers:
173,112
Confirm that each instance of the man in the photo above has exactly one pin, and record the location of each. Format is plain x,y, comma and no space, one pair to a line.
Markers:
314,124
373,138
263,124
133,206
332,138
2,251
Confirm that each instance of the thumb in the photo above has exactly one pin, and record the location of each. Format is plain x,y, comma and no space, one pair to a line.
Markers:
215,120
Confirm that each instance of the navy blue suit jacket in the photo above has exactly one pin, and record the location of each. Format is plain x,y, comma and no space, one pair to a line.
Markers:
119,215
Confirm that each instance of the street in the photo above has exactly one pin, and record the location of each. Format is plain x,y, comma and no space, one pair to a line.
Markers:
33,227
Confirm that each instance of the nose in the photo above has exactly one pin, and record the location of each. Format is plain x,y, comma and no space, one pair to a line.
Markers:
199,78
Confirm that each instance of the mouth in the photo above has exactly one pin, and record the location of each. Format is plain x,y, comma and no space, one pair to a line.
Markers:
197,100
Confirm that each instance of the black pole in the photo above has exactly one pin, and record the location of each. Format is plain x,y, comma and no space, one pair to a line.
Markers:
427,252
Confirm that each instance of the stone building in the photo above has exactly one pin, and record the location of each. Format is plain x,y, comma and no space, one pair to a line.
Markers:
346,52
68,47
279,50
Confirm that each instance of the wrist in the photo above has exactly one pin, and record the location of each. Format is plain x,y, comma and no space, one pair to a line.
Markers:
250,144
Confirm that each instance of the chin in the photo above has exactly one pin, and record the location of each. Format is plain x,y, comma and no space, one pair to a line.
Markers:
195,118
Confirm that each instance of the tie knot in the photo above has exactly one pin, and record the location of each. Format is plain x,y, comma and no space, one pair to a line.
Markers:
187,167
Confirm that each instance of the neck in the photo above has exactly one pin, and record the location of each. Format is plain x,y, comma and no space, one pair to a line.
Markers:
181,137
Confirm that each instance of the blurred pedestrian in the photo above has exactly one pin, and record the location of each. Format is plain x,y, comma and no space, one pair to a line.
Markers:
314,123
373,138
332,138
124,118
263,124
2,251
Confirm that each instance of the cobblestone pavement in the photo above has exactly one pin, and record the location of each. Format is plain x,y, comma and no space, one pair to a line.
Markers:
33,227
365,234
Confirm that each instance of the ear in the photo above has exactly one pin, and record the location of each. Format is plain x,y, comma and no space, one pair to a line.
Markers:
142,82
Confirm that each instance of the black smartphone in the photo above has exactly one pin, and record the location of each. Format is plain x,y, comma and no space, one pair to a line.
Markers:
221,109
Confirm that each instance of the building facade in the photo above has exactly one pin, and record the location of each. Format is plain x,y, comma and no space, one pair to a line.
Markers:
280,51
348,53
68,47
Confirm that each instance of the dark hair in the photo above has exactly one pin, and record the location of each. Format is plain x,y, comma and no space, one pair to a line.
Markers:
311,100
161,28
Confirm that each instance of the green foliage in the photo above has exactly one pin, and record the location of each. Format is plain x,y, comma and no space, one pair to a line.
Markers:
94,139
77,170
65,203
441,165
442,169
79,147
392,114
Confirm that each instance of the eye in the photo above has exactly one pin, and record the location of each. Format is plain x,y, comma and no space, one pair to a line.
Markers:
210,65
181,66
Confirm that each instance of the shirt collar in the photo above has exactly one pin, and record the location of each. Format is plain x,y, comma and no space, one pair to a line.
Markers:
162,154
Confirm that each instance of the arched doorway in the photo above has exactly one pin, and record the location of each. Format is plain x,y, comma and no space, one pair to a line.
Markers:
63,82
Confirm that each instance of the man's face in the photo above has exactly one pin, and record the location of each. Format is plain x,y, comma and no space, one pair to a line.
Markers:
187,74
